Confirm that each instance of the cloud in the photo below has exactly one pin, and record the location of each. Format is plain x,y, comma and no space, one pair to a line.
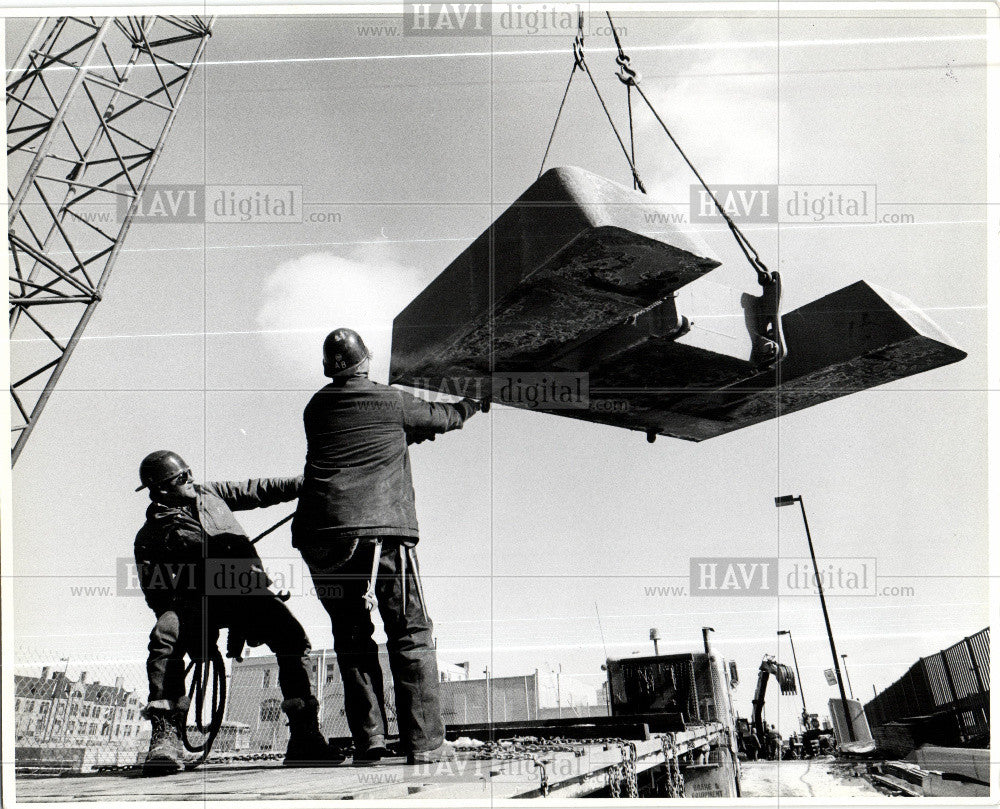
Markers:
308,297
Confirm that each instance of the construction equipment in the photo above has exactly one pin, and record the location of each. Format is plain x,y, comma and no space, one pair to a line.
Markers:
574,303
769,667
815,738
90,103
670,734
569,304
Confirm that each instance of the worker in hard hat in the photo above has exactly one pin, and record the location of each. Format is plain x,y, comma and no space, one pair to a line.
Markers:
199,571
356,528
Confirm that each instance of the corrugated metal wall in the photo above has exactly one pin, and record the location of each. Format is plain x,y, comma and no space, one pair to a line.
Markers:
512,699
954,681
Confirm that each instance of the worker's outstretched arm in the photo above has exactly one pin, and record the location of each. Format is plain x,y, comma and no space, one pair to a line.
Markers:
423,420
257,492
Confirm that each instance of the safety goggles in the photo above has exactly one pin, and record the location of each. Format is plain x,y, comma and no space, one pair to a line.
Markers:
182,477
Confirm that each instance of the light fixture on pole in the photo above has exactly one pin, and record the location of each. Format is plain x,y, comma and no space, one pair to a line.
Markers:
654,635
848,675
802,691
790,500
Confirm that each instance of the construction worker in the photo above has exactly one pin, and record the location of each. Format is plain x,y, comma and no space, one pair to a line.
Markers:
773,743
199,572
356,528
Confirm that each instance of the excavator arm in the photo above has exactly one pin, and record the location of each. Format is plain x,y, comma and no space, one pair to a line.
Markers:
786,681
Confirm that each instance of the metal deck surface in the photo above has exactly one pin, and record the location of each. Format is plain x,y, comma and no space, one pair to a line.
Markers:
569,769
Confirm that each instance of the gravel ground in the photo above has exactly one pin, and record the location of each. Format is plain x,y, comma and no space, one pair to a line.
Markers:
819,777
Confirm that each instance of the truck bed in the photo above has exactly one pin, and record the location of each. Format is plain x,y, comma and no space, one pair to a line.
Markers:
538,768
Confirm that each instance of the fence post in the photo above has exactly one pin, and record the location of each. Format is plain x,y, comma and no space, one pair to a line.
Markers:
954,696
980,686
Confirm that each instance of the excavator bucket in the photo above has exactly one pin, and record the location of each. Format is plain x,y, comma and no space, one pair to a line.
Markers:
569,303
568,259
786,678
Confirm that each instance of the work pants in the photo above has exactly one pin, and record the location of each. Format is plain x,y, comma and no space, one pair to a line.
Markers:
410,645
188,629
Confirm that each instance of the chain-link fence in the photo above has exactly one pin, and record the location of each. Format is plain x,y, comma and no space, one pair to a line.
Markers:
74,716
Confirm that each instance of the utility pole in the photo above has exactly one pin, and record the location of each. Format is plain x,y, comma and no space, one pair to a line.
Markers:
489,706
61,684
787,500
802,691
559,692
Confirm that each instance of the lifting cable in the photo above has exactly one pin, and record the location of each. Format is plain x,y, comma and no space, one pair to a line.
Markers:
630,78
580,63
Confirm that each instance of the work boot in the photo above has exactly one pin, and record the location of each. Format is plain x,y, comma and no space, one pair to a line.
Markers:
378,753
443,752
306,745
166,750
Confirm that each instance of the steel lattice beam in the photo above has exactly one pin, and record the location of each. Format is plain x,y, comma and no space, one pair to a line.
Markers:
90,103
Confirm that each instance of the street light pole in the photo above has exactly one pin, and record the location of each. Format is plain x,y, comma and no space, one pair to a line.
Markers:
848,674
802,691
489,701
788,500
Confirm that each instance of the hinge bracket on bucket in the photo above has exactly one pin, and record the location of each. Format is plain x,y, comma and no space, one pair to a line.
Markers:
763,320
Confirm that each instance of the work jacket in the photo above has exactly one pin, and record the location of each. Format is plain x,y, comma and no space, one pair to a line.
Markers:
357,474
186,552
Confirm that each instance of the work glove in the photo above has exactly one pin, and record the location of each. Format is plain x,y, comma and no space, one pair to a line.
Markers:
467,407
417,436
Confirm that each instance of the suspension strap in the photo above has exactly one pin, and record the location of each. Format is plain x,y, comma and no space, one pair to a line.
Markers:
580,62
562,103
763,273
631,79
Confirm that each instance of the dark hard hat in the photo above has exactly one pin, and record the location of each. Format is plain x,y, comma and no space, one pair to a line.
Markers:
158,467
343,351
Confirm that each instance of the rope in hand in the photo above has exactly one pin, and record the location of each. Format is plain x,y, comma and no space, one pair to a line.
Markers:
274,527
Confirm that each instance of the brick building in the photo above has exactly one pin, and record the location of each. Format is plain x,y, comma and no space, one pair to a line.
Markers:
74,724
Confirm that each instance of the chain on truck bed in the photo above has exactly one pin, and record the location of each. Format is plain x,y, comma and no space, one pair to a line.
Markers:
532,748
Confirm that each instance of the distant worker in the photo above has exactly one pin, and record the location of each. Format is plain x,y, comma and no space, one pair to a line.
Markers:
773,743
199,572
753,746
356,527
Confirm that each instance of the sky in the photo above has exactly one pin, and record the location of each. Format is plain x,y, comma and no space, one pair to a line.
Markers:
545,541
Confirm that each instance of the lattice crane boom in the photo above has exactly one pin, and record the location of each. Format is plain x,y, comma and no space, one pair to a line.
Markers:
90,104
